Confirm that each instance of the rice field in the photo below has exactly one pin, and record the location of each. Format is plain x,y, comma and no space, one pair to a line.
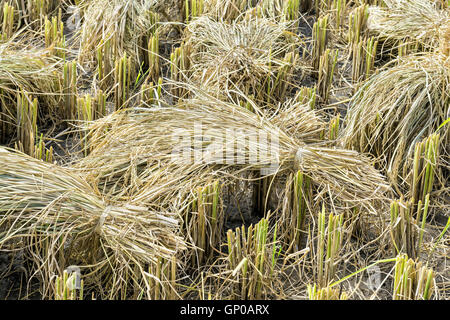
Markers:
225,149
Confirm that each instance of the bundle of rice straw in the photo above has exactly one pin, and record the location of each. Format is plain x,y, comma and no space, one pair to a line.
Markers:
30,69
255,55
125,23
159,156
417,20
61,220
398,107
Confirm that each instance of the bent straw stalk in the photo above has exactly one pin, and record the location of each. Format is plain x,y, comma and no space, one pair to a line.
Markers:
60,216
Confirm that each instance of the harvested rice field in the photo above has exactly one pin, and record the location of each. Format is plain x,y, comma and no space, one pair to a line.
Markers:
225,149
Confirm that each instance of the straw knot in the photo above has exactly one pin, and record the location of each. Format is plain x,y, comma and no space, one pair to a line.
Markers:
102,219
298,158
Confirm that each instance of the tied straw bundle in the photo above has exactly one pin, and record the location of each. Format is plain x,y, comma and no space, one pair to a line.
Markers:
399,106
254,54
420,21
61,220
137,153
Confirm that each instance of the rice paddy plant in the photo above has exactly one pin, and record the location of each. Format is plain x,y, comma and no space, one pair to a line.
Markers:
320,40
127,24
396,108
317,293
54,36
153,57
63,220
426,155
302,192
32,13
27,114
333,131
307,96
27,130
296,205
275,9
37,10
412,280
327,66
179,66
122,78
106,57
247,104
7,22
363,59
414,20
151,93
70,77
278,88
88,110
339,8
292,9
252,257
330,235
28,70
193,9
282,11
163,279
357,23
205,222
228,10
65,288
407,47
41,152
322,6
407,226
